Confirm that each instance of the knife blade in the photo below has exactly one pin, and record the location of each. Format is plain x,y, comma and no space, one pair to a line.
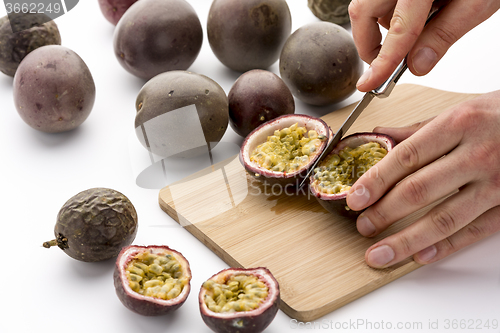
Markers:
367,98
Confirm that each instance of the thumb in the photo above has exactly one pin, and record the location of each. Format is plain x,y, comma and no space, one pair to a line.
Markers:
401,133
450,24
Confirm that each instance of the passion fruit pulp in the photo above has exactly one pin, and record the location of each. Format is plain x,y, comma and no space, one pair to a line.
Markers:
152,280
95,224
239,300
347,162
281,150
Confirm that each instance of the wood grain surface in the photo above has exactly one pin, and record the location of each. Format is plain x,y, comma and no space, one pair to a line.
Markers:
317,257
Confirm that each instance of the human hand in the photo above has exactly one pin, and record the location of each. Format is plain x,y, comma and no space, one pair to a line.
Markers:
457,150
406,34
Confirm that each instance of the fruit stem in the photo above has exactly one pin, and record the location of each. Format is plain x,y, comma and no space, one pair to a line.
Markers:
60,241
49,244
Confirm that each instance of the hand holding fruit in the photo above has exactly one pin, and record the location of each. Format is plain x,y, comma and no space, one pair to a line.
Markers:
405,21
466,157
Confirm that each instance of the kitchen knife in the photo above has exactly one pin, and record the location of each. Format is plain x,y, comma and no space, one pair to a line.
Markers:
384,90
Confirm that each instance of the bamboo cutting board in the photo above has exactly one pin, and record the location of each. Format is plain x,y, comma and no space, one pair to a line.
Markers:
317,257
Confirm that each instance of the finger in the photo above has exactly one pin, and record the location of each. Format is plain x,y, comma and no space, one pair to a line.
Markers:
454,21
420,189
385,21
401,133
365,29
485,225
406,25
406,158
440,222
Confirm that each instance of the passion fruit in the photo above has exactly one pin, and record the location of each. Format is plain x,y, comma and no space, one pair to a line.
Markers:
338,171
320,63
181,113
53,89
21,33
256,97
239,300
152,280
155,36
95,225
113,10
248,34
335,11
281,150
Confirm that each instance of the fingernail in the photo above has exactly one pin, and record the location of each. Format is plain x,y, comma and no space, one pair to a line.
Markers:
380,256
424,60
427,254
358,199
365,226
366,75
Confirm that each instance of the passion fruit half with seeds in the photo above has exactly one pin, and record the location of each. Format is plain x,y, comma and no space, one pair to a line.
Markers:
280,151
152,280
338,171
239,300
95,225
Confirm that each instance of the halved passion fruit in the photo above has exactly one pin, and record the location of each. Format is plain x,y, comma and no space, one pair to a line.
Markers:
152,280
338,171
281,150
239,300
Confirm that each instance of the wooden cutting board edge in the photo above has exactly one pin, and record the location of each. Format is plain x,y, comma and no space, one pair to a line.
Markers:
315,313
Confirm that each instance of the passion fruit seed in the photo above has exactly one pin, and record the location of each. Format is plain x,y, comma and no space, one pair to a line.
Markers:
288,149
156,275
340,171
239,293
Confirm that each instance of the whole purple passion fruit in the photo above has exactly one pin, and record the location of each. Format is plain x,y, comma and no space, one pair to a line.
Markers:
256,97
33,31
248,34
95,225
239,300
53,89
181,113
152,280
281,150
113,10
320,64
338,171
155,36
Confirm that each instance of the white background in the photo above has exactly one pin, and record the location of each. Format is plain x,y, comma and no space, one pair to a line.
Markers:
46,291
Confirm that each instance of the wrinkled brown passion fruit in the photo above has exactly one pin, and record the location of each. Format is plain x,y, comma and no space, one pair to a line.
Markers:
95,225
239,300
335,11
152,280
349,160
281,150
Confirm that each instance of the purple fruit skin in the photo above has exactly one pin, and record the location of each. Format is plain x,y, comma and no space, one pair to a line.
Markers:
113,10
257,97
53,89
156,36
320,64
248,34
